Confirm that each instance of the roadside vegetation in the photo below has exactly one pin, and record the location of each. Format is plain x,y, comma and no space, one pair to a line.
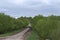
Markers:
43,27
9,24
33,36
47,28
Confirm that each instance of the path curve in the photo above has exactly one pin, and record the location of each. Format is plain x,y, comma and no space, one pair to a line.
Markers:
18,36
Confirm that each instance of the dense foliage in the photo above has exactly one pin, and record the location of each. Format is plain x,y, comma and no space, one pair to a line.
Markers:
47,27
8,24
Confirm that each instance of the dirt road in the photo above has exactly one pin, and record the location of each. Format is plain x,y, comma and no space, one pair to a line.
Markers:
18,36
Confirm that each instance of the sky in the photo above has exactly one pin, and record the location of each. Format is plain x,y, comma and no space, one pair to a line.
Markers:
17,8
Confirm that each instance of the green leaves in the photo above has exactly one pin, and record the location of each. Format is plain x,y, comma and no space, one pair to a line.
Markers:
47,27
8,24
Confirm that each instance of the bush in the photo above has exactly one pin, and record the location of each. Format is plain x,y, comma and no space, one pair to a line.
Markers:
9,24
47,27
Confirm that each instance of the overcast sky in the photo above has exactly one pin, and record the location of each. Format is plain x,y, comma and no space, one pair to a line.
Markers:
17,8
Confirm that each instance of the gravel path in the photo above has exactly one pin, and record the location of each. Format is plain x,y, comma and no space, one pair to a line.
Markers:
18,36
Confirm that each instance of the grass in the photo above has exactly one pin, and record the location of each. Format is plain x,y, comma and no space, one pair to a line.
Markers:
33,36
9,33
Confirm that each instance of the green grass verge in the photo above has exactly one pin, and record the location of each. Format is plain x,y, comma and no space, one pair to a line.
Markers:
9,33
33,36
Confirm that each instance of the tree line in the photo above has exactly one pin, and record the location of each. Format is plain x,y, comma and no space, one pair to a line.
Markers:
9,24
47,28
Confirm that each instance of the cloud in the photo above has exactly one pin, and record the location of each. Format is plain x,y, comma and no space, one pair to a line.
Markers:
17,2
18,8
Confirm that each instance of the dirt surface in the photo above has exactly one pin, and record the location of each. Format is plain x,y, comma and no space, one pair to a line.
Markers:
19,36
